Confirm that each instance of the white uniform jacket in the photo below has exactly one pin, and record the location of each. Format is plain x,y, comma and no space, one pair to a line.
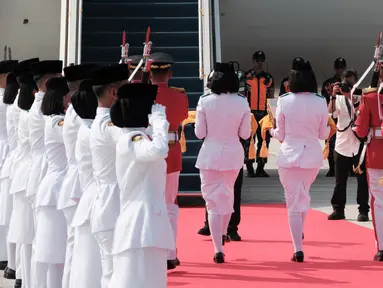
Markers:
301,122
103,138
141,174
85,172
36,140
71,188
222,120
50,187
3,128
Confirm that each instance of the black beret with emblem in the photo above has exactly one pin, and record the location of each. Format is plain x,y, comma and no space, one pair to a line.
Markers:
47,67
259,56
340,63
8,66
110,74
79,72
133,105
161,61
134,60
58,83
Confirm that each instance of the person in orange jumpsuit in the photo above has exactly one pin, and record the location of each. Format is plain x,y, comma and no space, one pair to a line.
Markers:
176,102
369,123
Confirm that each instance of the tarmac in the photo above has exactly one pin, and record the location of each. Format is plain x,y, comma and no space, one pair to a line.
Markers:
269,190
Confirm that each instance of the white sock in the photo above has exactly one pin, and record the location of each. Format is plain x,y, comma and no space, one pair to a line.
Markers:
215,226
225,223
296,227
303,216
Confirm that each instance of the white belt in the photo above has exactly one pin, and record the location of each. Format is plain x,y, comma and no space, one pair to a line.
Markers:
173,136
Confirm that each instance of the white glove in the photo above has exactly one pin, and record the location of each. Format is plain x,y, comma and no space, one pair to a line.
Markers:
158,112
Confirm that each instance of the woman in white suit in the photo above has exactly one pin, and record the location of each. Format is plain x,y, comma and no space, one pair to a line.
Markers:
301,121
223,117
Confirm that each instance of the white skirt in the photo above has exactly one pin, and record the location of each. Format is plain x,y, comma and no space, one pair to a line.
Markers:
6,202
3,151
218,190
21,226
51,236
86,268
143,268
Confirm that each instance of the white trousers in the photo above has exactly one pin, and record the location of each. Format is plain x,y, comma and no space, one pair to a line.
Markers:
218,190
297,183
18,270
141,268
48,275
86,262
105,243
375,183
11,250
171,192
69,213
25,261
3,243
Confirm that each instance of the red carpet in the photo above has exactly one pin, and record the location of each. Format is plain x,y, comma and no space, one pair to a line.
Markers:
338,253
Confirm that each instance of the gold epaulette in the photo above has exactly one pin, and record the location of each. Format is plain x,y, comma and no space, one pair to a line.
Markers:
179,89
137,138
110,123
369,90
61,123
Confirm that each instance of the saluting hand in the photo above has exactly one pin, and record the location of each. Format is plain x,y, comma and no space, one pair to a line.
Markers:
158,112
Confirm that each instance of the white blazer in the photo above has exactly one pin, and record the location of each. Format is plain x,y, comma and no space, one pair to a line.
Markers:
222,120
301,122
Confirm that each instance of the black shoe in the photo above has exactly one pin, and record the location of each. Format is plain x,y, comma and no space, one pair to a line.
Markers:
172,264
9,273
225,239
18,283
330,173
336,216
298,257
204,231
3,265
219,258
363,217
261,174
234,236
379,256
178,263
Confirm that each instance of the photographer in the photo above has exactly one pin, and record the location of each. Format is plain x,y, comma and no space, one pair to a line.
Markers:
347,147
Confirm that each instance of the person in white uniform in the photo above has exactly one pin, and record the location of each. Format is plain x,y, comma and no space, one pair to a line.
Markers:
71,190
42,71
103,138
22,229
6,204
86,263
51,232
143,232
223,117
6,67
301,121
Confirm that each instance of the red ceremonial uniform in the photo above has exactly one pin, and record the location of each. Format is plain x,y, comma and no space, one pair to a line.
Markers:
177,107
368,118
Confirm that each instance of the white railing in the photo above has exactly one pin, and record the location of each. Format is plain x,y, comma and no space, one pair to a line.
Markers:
200,39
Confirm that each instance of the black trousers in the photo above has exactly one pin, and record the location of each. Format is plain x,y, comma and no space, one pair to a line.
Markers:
258,115
236,216
331,155
342,172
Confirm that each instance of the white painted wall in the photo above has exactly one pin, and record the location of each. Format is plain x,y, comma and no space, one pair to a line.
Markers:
319,31
40,37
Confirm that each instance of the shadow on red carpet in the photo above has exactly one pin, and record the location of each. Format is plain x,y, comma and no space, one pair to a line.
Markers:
338,253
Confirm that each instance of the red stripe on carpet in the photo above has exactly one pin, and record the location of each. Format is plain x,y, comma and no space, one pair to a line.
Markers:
338,253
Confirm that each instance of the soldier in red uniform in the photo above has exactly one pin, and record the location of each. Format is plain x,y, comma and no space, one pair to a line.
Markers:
176,102
369,123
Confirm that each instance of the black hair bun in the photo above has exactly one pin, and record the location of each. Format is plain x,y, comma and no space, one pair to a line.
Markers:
58,83
86,85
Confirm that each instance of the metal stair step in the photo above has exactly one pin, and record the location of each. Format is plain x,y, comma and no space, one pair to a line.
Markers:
188,165
192,147
189,182
163,24
165,39
113,54
141,1
146,9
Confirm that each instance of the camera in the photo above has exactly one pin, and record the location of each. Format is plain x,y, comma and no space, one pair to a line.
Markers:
346,87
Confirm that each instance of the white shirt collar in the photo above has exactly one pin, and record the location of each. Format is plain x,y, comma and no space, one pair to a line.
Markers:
102,110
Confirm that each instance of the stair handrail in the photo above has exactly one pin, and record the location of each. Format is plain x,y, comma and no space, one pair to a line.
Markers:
200,39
